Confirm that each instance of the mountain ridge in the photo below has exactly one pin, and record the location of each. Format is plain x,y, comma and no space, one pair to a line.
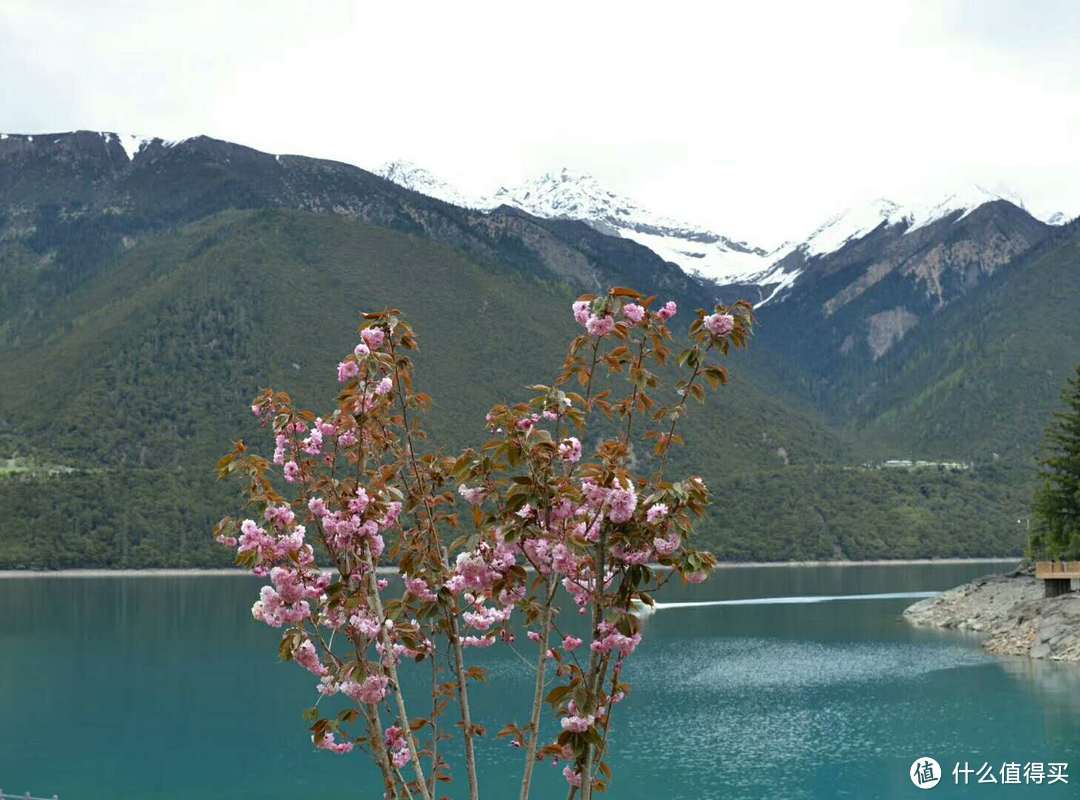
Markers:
142,292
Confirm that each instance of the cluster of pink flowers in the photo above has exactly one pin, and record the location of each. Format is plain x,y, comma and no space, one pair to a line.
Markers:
570,449
308,657
371,690
633,312
481,617
347,370
329,743
350,529
667,545
608,639
419,589
656,513
596,324
719,324
287,601
603,323
398,746
622,500
575,721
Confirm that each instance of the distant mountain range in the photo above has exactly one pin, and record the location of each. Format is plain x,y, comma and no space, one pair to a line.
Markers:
698,251
577,196
844,309
148,288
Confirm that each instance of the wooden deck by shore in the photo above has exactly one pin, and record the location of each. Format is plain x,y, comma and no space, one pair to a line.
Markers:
1057,576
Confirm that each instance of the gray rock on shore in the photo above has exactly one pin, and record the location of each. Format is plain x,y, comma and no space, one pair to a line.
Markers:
1011,612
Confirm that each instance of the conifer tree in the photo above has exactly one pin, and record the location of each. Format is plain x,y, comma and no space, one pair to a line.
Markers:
1056,503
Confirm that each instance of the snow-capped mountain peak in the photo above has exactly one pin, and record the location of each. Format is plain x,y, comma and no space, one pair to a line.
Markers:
566,194
964,200
697,250
419,179
858,221
852,223
571,195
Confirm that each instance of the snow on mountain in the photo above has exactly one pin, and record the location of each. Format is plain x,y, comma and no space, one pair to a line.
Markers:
134,142
966,200
412,176
577,196
859,221
850,224
697,250
856,222
131,142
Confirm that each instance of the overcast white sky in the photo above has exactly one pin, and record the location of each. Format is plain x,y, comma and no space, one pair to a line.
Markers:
755,118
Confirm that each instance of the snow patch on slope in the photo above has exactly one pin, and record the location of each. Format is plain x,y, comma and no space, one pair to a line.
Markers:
131,142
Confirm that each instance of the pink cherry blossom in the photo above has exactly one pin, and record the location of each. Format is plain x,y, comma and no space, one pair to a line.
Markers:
668,311
600,326
371,690
570,449
328,743
292,472
317,507
419,589
668,545
347,370
576,723
622,501
633,312
373,337
307,657
656,513
398,746
719,324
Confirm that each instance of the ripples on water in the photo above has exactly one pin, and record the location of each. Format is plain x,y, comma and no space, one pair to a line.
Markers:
774,702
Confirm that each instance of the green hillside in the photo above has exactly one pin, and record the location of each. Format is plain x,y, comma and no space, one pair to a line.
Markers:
144,302
142,376
983,382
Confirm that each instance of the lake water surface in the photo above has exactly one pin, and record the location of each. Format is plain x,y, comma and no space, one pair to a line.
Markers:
164,688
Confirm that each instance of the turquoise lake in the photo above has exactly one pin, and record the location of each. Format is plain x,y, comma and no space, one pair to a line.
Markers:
164,688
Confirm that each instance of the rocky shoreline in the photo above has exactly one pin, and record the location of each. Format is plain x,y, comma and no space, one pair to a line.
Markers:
1011,612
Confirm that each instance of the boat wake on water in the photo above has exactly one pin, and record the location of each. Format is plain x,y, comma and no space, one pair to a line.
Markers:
641,608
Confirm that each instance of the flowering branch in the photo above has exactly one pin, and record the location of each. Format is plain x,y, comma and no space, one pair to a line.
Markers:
588,526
